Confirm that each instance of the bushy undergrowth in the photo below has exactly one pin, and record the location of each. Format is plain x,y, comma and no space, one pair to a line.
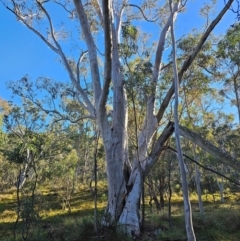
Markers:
221,221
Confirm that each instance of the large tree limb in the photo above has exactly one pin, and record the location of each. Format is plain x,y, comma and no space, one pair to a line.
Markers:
108,57
207,146
150,122
204,167
91,50
97,8
158,147
191,58
101,111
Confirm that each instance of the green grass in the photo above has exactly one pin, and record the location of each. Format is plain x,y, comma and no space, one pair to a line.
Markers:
221,221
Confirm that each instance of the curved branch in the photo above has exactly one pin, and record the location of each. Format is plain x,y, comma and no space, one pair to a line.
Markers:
158,147
64,7
143,14
65,118
151,122
78,63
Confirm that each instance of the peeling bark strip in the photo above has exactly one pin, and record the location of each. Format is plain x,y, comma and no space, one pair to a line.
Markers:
223,157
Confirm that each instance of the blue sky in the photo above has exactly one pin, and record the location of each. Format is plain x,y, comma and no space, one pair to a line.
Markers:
22,52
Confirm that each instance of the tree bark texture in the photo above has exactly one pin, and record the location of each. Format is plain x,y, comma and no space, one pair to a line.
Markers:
186,199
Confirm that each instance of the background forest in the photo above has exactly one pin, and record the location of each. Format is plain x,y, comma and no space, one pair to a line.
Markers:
53,152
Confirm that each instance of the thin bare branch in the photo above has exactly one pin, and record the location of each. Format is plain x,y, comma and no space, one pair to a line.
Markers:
74,121
143,14
64,7
22,19
222,157
66,64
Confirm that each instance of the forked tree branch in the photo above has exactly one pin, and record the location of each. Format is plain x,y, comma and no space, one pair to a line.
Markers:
90,107
22,19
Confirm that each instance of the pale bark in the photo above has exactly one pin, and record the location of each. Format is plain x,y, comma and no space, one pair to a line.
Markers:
236,90
129,220
222,156
186,200
198,182
92,52
98,9
221,189
151,122
24,172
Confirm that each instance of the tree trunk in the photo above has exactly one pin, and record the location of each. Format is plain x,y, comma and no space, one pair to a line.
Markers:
129,221
221,189
198,183
24,172
236,89
186,200
199,192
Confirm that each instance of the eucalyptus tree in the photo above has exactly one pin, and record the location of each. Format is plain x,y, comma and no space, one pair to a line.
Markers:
31,140
8,171
101,25
228,53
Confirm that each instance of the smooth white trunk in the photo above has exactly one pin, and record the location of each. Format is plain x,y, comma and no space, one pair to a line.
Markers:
199,192
186,200
129,221
198,183
221,189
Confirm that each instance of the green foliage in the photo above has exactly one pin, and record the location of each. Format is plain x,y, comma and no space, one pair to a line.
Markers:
229,47
128,47
129,31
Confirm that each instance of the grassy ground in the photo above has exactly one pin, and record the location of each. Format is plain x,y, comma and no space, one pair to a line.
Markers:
221,221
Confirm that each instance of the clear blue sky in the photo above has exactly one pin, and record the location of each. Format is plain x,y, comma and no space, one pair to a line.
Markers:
22,52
